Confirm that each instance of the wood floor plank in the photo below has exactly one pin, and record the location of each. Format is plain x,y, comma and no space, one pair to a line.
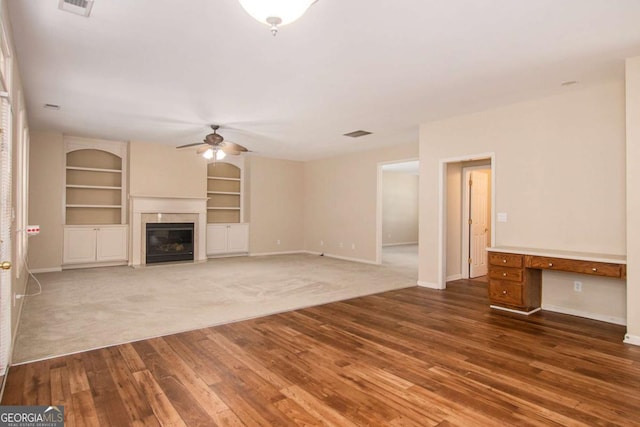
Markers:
411,357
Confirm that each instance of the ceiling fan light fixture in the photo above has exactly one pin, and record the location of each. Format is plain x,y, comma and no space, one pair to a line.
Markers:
220,155
276,13
208,154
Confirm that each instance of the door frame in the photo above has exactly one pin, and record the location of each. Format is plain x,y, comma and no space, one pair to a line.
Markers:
442,208
466,237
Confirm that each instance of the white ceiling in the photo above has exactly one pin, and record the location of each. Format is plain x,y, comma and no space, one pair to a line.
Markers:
162,70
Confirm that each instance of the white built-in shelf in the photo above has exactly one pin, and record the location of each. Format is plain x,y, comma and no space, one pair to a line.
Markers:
233,193
94,187
96,206
224,209
78,168
222,178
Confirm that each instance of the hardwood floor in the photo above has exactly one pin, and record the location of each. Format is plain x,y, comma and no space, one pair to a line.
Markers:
414,357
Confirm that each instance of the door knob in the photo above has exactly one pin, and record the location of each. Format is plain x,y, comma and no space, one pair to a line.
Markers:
6,265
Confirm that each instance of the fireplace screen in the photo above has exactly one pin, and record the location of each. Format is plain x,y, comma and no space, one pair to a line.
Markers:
169,242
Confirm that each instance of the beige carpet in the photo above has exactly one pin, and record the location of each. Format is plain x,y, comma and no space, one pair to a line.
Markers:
90,308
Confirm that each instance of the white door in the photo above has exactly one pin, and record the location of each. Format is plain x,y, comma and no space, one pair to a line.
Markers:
216,239
111,244
6,284
479,223
79,245
238,238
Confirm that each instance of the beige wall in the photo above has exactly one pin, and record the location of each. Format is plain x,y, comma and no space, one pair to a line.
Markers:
399,208
275,207
633,198
161,170
559,171
46,176
340,201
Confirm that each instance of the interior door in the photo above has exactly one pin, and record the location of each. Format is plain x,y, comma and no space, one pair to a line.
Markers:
479,223
5,237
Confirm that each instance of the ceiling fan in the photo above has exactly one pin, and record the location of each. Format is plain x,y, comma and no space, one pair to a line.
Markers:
214,145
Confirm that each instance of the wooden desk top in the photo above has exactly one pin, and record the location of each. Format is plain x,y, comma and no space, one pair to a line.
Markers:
580,256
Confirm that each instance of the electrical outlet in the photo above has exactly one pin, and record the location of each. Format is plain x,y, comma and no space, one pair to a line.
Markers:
278,241
321,242
341,245
353,246
577,286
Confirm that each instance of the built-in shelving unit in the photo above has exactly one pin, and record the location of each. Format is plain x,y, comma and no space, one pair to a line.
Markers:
224,192
94,202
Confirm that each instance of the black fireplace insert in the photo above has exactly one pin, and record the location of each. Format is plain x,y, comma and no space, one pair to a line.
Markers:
171,241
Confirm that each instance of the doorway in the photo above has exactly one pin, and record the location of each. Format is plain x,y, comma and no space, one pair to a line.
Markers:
397,214
453,240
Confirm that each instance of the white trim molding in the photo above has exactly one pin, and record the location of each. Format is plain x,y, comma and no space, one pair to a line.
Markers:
46,270
454,277
429,285
399,244
280,253
632,339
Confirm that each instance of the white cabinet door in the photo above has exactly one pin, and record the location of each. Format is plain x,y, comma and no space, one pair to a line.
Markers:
238,238
216,239
79,245
111,244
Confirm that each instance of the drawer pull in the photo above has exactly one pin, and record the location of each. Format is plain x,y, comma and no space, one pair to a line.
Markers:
504,260
504,292
504,274
594,269
550,264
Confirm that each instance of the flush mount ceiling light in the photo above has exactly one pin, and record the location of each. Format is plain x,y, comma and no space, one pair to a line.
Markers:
276,12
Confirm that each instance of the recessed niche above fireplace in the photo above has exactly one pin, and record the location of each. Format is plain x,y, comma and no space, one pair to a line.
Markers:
167,242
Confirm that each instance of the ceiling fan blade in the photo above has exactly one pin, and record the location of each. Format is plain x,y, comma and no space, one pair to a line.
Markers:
232,146
191,145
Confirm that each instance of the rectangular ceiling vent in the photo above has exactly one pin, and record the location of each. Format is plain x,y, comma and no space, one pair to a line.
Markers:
357,133
79,7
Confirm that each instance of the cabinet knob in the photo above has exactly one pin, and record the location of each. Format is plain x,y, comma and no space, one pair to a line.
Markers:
504,274
504,260
504,292
5,265
594,269
550,264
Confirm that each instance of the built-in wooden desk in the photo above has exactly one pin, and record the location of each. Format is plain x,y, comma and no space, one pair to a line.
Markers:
515,274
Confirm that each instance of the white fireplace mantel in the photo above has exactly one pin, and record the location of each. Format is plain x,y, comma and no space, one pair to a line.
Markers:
141,205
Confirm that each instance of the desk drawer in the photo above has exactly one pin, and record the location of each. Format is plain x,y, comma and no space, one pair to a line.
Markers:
574,266
505,260
505,273
505,292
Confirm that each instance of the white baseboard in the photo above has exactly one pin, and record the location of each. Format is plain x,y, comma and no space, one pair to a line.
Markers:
399,244
428,285
277,253
454,277
46,270
632,339
585,314
344,258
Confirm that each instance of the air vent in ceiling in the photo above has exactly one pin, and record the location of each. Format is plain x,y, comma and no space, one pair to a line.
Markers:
79,7
357,133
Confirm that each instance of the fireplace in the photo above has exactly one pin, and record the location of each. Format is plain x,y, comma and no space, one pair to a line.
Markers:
169,241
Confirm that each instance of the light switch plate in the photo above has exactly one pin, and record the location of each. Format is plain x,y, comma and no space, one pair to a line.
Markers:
502,217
